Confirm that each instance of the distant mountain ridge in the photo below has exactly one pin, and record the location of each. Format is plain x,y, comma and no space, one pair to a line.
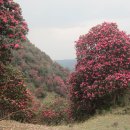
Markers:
67,63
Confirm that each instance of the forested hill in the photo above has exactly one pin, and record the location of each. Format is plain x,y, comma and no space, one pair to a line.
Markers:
38,68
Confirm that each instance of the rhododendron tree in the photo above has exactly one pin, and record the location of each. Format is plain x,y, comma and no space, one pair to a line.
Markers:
14,95
13,27
102,71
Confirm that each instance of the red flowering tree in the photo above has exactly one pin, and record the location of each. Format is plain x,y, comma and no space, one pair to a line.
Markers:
14,95
102,71
13,28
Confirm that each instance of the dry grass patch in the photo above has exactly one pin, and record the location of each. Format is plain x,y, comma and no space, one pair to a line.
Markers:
104,122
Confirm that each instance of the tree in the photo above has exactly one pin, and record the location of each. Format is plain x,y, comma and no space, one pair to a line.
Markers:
14,95
13,28
102,71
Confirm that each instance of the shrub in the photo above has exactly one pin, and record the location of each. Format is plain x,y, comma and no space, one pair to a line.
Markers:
14,96
40,93
102,71
56,113
25,115
61,88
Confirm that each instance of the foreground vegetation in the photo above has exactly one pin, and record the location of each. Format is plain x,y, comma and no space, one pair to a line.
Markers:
117,120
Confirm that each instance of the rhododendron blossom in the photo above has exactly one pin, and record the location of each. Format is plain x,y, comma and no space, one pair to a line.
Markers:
12,25
103,63
16,46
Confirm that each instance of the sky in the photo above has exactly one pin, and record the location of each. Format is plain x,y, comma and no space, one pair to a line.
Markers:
55,25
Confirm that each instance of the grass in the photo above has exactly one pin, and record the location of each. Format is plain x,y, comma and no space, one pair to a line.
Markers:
99,122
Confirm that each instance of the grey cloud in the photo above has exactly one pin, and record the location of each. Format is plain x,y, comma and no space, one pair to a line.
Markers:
59,13
59,23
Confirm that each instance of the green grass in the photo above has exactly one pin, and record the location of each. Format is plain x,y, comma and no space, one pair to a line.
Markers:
50,98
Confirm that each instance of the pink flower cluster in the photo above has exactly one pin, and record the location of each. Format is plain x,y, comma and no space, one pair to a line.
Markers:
12,24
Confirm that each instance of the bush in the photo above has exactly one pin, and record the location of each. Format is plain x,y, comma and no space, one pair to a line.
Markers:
40,92
102,71
56,113
25,115
14,96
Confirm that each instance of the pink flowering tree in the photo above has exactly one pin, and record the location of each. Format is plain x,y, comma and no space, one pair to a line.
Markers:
13,28
14,96
102,72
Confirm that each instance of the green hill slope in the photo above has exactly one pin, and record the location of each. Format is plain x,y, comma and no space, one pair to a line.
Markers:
39,70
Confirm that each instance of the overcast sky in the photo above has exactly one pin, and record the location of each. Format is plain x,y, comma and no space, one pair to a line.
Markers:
55,24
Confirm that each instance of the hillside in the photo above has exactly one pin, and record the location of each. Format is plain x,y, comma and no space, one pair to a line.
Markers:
67,63
41,73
